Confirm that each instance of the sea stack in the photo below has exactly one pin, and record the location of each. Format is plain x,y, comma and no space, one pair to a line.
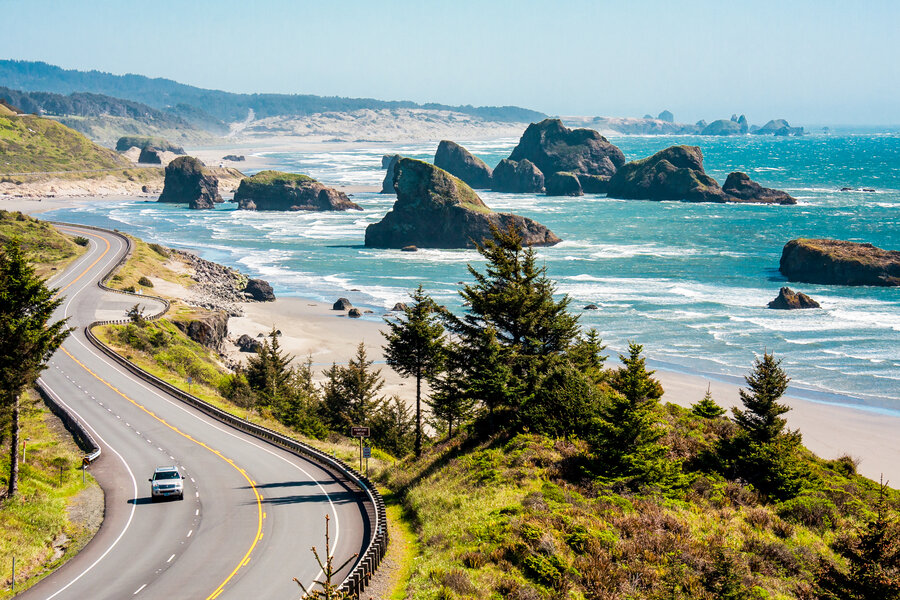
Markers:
554,147
521,177
434,209
186,181
275,190
461,163
788,299
839,262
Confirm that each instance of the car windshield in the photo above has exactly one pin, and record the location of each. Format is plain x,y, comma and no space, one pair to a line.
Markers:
166,475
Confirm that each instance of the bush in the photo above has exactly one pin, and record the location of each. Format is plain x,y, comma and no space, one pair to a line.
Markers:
81,241
161,250
812,511
145,282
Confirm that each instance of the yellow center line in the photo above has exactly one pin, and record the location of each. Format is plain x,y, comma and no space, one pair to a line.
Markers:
259,534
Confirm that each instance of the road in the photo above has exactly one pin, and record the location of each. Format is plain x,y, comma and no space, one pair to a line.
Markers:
251,511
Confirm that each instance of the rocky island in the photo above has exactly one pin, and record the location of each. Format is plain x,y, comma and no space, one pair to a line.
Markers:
553,147
434,209
517,177
188,182
461,163
276,190
677,173
839,262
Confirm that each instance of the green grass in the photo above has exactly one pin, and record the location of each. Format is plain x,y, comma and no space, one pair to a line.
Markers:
33,144
403,549
38,517
48,249
279,178
147,260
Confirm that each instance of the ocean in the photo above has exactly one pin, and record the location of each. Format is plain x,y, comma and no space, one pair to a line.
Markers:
688,281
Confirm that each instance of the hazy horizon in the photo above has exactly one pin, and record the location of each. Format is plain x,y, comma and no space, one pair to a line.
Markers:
813,63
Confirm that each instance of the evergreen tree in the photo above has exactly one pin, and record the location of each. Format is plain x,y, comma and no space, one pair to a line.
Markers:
450,401
351,393
27,339
269,371
415,348
707,407
586,354
762,420
394,428
300,405
873,561
490,378
629,427
564,403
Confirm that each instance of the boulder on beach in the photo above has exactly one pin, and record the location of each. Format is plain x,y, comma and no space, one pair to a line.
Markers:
554,147
740,186
245,343
564,184
186,181
461,163
788,299
341,304
354,313
260,290
388,161
838,262
522,177
434,209
276,190
399,307
150,156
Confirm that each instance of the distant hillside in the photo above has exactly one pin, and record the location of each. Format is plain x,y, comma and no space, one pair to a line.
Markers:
105,119
32,144
225,106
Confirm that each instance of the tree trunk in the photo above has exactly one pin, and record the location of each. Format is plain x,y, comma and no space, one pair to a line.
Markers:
418,414
14,451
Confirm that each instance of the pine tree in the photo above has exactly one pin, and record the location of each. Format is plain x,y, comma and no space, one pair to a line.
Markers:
27,339
707,407
394,428
586,354
450,402
351,393
269,371
762,420
490,378
415,348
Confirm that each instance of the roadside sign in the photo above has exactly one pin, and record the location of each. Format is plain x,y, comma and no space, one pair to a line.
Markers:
367,452
85,462
360,432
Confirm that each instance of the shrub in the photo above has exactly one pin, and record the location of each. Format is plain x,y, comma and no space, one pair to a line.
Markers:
81,241
812,511
145,282
161,250
458,581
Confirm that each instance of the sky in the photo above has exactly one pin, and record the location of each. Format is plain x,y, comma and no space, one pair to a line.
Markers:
811,62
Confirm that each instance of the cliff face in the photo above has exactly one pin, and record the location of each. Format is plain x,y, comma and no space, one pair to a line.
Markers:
461,163
187,182
205,327
554,147
521,177
839,262
274,190
388,161
436,210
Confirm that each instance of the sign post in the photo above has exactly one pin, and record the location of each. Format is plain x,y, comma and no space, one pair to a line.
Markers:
360,432
84,464
367,454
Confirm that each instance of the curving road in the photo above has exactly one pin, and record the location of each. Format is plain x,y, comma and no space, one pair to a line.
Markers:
251,510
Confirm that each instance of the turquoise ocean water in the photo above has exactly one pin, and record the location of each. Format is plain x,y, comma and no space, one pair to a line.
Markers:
689,281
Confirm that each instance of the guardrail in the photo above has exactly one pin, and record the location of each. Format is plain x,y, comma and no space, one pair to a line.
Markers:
368,562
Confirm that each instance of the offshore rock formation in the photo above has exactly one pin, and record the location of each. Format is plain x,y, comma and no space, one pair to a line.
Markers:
259,290
187,182
554,147
436,210
593,184
564,184
521,177
788,299
839,262
740,186
722,127
388,161
676,173
461,163
275,190
778,127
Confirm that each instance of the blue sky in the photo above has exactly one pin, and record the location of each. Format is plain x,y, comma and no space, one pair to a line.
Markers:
824,62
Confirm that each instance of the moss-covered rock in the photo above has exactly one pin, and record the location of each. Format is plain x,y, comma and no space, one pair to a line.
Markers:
839,262
564,184
434,209
554,147
276,190
187,181
522,177
461,163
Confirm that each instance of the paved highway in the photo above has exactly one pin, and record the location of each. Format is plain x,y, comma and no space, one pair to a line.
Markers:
251,511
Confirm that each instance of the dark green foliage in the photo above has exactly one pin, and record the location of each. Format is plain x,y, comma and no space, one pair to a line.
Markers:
490,380
351,393
873,560
450,402
761,420
586,354
415,348
135,314
81,240
161,250
707,407
144,281
27,338
724,581
393,428
269,371
565,402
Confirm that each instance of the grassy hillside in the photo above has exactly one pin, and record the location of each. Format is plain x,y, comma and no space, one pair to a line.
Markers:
48,248
32,144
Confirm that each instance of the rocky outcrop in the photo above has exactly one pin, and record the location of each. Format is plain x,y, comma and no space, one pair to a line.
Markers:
354,313
399,307
564,184
676,173
260,290
521,177
666,116
740,186
150,156
778,127
722,127
554,147
788,299
461,163
234,157
341,304
839,262
245,343
275,190
388,161
143,142
207,328
436,210
593,184
186,181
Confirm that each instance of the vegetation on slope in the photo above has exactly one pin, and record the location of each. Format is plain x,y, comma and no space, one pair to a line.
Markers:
32,144
279,177
47,247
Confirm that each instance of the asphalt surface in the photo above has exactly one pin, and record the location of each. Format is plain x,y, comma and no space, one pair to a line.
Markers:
251,511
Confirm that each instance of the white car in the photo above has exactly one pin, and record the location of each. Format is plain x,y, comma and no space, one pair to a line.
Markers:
166,482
